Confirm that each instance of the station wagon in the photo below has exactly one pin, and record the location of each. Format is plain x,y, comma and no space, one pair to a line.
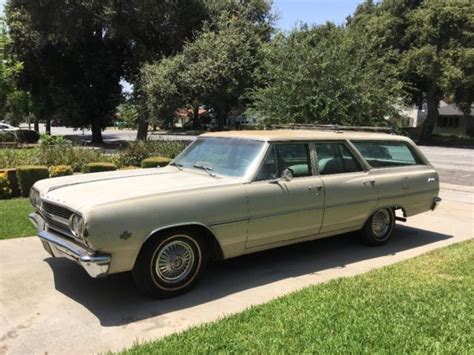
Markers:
229,194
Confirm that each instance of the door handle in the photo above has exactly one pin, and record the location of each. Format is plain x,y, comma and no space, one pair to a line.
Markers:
316,188
370,182
432,179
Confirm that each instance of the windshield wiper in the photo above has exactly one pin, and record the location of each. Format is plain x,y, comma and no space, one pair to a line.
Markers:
178,165
206,168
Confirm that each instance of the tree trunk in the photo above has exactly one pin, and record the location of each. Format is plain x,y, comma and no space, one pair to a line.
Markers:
142,132
36,125
196,117
432,101
96,133
48,126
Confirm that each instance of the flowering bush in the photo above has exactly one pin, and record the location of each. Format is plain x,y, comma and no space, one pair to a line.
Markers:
5,190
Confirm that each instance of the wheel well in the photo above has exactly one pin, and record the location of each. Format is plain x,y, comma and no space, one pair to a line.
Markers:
394,208
215,250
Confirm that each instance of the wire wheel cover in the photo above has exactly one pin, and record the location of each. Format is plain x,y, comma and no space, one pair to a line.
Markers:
175,261
381,223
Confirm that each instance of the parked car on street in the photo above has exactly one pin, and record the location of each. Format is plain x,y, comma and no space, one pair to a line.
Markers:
229,194
5,127
14,134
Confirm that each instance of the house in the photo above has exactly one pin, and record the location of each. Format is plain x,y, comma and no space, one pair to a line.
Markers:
451,119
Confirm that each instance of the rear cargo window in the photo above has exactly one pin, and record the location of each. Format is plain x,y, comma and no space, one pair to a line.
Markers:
383,154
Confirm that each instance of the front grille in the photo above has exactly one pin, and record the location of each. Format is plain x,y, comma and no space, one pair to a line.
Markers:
58,226
57,210
57,219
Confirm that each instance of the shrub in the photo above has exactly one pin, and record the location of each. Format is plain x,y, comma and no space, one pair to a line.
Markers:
5,190
131,167
7,137
136,152
28,175
67,154
12,180
98,167
13,157
47,140
153,162
60,170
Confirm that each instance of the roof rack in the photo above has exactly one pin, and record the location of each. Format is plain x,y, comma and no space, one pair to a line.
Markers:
390,130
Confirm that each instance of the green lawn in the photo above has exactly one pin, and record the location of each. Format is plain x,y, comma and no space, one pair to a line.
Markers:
14,220
425,305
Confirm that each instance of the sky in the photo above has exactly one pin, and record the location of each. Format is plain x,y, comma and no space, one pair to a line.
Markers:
293,12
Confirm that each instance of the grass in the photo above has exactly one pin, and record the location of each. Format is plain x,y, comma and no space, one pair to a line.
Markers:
423,305
14,221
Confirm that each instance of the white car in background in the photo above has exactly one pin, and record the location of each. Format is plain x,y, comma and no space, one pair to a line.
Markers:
5,127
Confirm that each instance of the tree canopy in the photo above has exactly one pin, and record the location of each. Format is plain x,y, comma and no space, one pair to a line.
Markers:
76,53
434,42
326,75
216,68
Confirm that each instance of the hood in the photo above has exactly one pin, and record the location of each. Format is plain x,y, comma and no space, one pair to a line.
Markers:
82,192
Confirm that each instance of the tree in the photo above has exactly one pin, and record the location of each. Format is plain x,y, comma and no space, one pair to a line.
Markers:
326,75
14,103
216,68
76,53
434,40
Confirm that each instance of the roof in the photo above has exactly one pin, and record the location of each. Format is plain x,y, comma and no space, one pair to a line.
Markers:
291,135
451,110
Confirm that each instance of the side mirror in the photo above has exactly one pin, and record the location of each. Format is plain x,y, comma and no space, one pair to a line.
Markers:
286,175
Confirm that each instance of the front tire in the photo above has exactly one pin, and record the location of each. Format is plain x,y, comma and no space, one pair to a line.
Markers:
379,228
170,264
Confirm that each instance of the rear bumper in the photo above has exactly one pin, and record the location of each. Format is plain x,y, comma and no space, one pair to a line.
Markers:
58,246
436,202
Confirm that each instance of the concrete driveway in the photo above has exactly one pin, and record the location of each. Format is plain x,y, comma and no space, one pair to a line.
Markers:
51,306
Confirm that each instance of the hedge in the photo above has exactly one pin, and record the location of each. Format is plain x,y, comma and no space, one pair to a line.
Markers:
153,162
5,190
98,167
27,176
60,170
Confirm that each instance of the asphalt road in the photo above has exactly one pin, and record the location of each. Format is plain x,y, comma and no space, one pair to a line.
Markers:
455,165
51,306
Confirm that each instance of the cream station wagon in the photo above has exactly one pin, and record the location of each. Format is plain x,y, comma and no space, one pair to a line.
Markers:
229,194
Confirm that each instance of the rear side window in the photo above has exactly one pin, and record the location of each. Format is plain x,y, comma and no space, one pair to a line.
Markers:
335,158
383,154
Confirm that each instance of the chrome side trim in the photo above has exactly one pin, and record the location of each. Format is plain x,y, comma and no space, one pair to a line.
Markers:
187,224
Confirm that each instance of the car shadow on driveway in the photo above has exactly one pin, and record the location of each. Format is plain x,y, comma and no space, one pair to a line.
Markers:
115,301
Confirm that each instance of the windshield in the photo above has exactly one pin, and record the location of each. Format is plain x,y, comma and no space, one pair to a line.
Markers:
222,156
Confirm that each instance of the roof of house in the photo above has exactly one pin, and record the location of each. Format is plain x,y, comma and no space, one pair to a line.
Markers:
303,135
451,110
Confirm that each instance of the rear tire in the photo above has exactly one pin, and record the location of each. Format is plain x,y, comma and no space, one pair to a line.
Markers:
379,227
170,264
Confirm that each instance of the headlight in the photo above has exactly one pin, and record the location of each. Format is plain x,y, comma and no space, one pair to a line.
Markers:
76,224
35,198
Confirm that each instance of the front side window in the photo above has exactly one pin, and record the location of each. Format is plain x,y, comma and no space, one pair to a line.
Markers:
335,158
294,157
223,156
383,154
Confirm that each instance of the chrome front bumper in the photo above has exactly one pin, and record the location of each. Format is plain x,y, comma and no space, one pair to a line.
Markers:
57,246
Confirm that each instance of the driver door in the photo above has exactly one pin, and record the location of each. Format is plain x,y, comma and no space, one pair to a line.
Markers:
281,210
